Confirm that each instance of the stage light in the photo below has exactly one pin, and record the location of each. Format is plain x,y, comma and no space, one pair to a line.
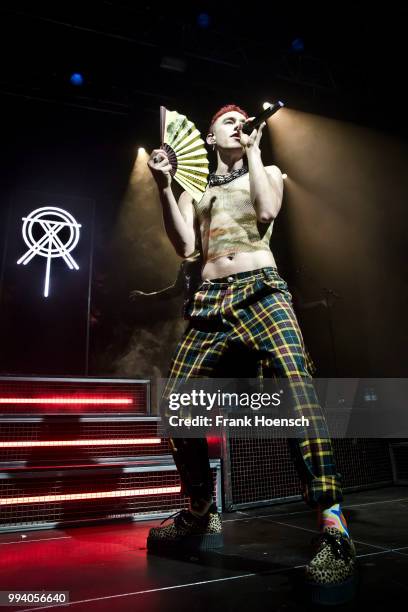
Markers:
76,79
284,176
203,20
80,442
141,150
298,45
64,401
59,497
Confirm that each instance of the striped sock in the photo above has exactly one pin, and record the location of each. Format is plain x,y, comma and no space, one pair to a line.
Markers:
332,517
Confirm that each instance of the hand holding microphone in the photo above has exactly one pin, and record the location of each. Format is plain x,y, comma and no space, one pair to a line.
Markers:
251,130
253,122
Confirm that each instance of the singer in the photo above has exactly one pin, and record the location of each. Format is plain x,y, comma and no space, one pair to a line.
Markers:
243,304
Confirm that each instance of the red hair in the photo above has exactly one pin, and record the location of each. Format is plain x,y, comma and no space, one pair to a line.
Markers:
227,109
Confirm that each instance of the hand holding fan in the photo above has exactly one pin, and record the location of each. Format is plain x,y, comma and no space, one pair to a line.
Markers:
185,150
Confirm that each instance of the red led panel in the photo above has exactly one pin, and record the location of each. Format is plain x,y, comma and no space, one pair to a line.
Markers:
71,396
40,499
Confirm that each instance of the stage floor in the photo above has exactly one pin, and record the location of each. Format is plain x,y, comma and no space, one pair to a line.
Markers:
106,567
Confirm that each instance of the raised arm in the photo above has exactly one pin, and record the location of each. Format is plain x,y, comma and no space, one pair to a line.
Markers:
178,216
266,184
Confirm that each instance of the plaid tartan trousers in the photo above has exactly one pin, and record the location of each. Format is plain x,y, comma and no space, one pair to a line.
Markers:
251,314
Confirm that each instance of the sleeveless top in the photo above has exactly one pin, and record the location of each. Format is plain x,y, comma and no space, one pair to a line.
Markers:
227,220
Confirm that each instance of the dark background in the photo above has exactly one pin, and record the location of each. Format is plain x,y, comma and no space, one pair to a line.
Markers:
343,231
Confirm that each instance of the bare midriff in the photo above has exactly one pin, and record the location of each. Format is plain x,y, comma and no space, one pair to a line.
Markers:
237,262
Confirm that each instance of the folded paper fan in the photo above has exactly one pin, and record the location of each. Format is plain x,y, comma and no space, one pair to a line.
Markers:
186,152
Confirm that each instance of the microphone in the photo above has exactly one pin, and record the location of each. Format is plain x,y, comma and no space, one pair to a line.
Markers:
249,126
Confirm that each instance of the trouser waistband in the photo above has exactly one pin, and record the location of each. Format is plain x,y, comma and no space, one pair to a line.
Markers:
244,276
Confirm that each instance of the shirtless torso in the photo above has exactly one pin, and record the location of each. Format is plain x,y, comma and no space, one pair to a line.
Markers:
233,261
237,262
263,183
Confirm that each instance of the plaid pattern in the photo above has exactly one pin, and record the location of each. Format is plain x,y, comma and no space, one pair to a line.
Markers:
253,310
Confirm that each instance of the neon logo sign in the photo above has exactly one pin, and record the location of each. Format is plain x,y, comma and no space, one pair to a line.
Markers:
51,220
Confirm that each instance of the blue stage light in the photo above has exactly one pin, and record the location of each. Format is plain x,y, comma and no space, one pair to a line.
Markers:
298,45
203,20
76,79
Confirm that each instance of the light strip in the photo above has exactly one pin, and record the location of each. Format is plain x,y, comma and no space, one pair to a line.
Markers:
82,442
64,400
40,499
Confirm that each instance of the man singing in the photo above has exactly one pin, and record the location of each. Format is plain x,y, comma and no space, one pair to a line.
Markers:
244,304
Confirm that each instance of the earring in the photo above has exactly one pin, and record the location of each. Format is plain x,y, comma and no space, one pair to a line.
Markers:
213,147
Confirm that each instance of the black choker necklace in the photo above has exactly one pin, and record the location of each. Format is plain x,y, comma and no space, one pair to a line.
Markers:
221,179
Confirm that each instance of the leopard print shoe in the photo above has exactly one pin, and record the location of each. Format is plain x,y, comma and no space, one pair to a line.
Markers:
187,532
331,576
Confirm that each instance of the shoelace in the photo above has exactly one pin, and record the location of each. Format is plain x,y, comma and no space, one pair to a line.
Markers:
340,547
178,516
